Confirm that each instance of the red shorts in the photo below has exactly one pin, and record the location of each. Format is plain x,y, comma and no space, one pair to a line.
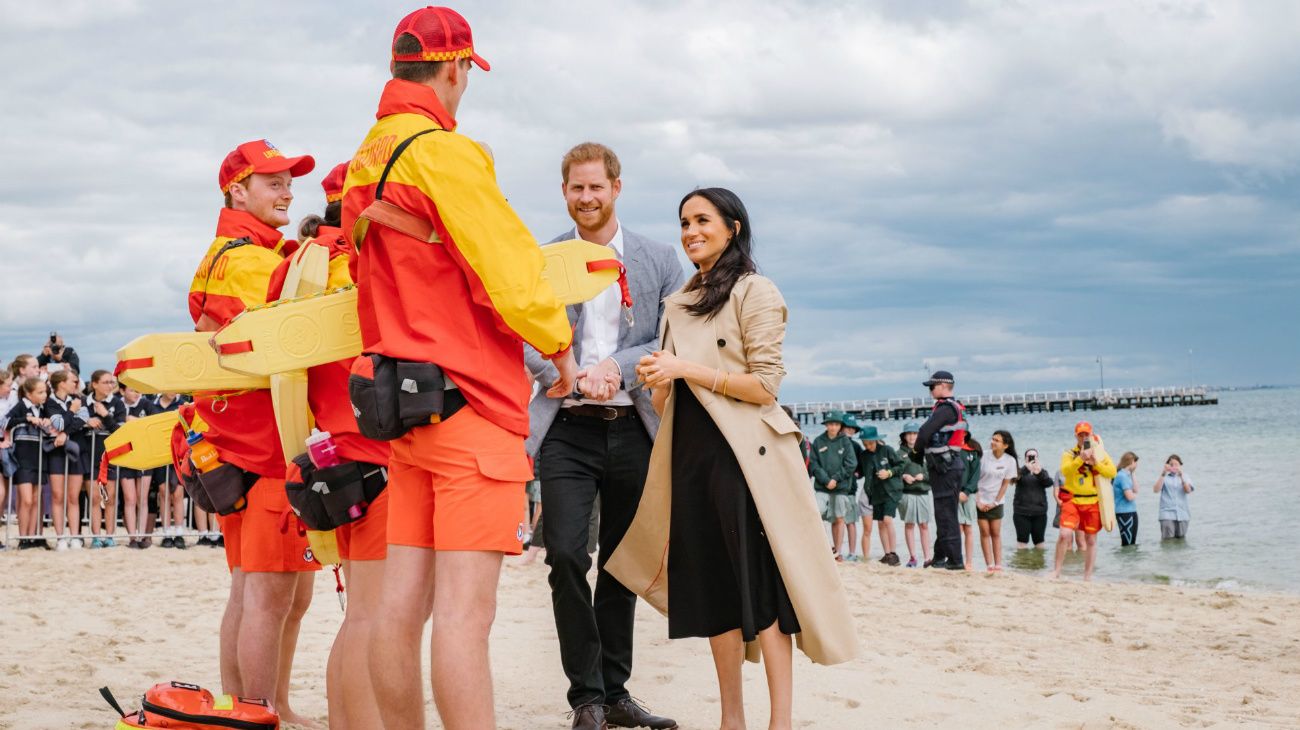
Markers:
1086,517
367,538
458,485
255,542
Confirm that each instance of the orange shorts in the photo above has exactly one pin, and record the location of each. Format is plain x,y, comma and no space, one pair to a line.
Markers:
458,485
254,542
1086,517
367,538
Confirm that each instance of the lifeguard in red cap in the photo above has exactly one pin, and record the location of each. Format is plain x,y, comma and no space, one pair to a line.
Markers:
449,287
1082,469
271,570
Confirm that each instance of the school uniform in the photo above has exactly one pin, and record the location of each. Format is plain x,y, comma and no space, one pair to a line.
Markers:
92,439
66,459
27,438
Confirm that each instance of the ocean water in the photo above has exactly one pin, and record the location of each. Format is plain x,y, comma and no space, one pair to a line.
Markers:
1243,455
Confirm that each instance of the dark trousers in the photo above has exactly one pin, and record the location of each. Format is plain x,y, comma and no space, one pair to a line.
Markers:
1030,528
947,540
582,458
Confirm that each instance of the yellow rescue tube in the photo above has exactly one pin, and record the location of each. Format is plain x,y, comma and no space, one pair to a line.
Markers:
179,362
1106,498
302,333
324,547
149,439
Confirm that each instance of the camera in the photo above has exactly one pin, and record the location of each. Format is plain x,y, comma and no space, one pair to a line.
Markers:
1087,444
1031,458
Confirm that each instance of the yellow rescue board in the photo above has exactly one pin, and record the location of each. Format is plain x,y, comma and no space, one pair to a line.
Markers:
1106,497
566,270
303,333
292,415
150,439
179,362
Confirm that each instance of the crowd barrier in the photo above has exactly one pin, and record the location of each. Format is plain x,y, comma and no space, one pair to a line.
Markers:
93,500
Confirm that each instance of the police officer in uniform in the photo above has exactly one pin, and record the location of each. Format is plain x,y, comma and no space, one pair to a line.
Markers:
940,440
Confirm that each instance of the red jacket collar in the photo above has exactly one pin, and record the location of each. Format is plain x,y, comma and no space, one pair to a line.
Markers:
408,97
239,224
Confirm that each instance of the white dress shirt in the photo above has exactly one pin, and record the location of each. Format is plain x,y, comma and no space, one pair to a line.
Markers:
600,329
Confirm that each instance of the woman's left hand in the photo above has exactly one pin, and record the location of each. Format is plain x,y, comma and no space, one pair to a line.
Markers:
660,367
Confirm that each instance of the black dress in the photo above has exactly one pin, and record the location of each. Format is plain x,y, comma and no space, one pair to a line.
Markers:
721,572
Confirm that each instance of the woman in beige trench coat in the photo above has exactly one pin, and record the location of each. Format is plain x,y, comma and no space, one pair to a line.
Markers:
727,512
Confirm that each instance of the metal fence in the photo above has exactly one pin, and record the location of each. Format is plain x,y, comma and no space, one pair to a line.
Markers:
118,509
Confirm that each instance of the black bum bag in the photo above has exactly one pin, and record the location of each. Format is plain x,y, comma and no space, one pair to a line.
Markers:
390,396
334,496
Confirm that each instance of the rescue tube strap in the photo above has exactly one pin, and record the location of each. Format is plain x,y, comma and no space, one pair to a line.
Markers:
132,364
234,348
624,292
387,214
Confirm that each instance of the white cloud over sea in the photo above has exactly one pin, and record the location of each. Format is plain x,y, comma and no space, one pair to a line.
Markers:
1009,188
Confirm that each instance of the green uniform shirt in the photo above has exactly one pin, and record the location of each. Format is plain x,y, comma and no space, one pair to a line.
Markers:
891,487
916,470
833,459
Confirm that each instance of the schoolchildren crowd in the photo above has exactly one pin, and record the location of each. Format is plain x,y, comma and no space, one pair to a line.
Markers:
52,471
863,485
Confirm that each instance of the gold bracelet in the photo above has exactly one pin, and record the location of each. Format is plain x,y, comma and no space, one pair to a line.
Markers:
725,378
716,373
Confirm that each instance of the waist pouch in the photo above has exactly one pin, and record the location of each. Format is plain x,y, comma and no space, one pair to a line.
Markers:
190,707
225,487
325,499
390,396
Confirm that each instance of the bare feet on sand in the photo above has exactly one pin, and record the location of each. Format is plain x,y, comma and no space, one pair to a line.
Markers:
291,719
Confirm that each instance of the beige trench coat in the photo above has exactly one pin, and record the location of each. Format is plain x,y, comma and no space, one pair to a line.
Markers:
745,336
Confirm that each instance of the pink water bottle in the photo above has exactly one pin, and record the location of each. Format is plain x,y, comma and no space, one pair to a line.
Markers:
321,450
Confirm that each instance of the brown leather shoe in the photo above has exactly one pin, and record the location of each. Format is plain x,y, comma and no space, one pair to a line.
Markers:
630,713
589,717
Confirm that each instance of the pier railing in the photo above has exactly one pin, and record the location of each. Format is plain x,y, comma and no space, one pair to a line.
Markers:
1029,402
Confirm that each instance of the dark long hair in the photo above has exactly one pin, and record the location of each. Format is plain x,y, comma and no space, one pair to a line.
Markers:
310,225
736,261
1011,444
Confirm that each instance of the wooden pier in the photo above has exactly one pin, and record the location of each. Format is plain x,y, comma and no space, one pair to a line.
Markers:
985,405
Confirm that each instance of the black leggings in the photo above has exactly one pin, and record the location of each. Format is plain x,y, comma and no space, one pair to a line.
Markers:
1127,522
1028,526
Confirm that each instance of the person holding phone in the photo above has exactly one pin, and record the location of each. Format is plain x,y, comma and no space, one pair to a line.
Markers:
1029,505
1173,486
1079,497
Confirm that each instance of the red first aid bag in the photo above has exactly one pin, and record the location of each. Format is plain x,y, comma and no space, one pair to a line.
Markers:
181,706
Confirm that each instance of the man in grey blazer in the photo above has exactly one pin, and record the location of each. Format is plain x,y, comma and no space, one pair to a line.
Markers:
597,443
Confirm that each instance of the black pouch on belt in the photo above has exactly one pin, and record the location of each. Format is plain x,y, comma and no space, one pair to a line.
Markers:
336,495
226,487
391,396
189,477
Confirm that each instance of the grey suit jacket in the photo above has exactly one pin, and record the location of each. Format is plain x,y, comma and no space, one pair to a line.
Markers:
652,274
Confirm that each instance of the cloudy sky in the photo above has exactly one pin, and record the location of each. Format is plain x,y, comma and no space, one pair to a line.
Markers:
1007,189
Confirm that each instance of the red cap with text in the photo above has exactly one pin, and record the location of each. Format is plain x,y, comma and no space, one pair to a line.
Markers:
443,33
333,183
260,156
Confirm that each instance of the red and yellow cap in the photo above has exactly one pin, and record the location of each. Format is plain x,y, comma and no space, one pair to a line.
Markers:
333,183
443,33
1082,427
260,156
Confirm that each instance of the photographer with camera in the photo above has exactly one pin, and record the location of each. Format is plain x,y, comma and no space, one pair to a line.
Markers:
56,353
1029,506
1079,496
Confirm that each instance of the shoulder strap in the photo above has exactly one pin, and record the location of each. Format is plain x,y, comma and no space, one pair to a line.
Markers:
397,152
229,245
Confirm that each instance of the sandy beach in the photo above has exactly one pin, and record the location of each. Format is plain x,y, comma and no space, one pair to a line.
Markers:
943,650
